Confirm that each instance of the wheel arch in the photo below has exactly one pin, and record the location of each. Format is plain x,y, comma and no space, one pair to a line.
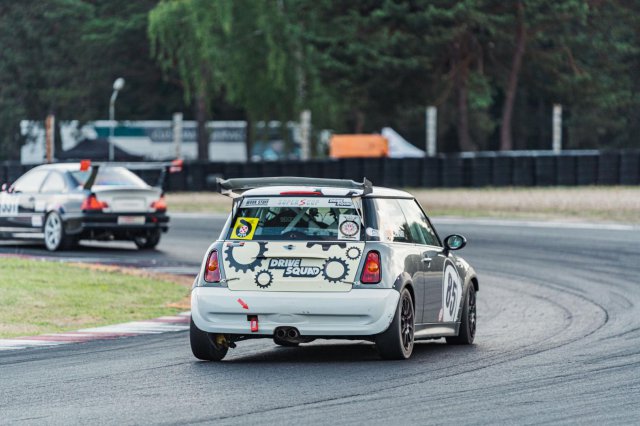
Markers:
404,281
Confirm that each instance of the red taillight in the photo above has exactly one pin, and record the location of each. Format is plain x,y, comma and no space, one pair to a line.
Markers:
212,270
371,270
91,203
160,205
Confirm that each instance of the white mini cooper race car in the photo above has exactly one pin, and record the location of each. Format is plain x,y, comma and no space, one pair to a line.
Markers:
303,258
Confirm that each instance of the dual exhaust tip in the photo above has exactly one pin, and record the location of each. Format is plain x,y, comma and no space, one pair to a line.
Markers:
287,333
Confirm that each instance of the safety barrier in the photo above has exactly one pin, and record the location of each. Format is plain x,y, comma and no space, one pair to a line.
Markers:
516,168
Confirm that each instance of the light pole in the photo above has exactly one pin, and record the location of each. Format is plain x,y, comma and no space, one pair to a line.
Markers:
117,86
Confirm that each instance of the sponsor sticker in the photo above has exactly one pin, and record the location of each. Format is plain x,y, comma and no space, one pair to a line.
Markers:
244,228
372,232
348,227
255,202
298,202
9,204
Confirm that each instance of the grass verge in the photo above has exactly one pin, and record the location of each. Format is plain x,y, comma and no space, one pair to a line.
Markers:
39,297
584,203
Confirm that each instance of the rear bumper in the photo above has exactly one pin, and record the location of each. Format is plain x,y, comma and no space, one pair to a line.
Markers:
361,312
83,223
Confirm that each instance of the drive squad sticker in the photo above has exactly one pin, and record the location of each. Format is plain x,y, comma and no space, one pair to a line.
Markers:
9,204
244,228
451,293
348,227
294,268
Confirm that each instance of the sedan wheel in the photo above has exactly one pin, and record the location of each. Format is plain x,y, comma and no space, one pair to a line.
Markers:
53,232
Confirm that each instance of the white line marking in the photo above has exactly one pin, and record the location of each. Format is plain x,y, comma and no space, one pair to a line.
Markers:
133,328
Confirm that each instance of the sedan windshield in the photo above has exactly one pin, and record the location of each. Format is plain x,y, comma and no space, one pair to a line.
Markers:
296,218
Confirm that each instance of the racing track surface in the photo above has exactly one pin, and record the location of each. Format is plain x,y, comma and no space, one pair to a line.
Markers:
558,341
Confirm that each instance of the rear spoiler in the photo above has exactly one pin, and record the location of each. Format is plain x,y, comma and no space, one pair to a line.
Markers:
228,186
165,167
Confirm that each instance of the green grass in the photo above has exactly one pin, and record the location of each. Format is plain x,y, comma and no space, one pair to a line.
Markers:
39,297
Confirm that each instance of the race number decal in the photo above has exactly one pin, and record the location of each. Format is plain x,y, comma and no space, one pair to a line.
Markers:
244,228
9,204
451,293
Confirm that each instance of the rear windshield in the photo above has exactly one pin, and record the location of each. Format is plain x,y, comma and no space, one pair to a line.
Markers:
296,218
110,176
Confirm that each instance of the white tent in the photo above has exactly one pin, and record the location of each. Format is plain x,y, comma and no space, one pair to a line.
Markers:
399,147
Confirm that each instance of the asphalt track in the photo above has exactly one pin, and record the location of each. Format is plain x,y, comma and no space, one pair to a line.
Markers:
558,342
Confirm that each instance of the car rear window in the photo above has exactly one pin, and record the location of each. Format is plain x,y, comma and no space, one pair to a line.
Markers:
296,218
110,176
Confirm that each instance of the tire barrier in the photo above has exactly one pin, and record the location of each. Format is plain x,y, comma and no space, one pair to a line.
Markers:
516,168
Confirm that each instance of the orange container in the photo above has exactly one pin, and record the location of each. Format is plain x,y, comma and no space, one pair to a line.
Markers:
358,146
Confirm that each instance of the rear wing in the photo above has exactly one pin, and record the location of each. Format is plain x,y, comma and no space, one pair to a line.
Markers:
165,167
228,186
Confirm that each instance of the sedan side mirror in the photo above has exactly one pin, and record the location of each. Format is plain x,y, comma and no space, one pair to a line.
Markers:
455,242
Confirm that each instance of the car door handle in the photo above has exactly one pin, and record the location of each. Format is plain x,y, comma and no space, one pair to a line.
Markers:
427,259
32,199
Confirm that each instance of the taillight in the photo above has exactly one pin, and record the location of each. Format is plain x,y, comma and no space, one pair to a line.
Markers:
212,270
160,205
371,270
91,203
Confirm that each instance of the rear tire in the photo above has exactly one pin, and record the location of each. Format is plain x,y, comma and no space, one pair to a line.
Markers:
149,240
467,332
203,345
397,341
55,237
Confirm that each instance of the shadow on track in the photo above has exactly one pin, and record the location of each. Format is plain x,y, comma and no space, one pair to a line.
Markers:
341,353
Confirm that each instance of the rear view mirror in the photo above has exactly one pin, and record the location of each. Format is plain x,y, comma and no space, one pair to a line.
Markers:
455,242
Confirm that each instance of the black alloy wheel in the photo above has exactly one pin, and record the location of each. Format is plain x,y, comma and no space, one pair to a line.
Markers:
398,340
468,322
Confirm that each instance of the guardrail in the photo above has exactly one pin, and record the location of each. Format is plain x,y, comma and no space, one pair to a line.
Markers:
516,168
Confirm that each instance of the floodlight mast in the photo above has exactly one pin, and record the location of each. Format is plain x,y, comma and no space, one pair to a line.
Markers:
117,86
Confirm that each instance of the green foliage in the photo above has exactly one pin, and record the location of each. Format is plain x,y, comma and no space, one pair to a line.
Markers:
358,65
62,56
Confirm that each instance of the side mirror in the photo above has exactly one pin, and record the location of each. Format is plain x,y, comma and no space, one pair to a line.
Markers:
455,242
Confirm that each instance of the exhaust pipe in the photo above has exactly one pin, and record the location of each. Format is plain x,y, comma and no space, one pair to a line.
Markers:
281,333
293,333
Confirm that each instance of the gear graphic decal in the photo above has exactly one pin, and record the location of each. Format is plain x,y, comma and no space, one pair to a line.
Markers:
353,253
335,270
326,246
244,267
263,279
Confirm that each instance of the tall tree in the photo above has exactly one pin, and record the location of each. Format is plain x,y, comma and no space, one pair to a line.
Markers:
187,39
40,69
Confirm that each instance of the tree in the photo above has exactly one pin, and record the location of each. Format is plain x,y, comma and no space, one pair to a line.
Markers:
187,38
40,71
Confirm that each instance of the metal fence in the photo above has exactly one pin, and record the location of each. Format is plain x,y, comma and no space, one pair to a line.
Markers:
517,168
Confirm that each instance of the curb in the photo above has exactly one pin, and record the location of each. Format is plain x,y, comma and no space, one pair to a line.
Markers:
165,324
